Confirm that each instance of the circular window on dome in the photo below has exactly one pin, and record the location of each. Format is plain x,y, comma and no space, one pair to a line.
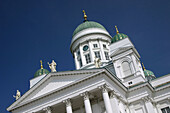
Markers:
85,48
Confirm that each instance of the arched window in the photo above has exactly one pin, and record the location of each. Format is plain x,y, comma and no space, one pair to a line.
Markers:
126,68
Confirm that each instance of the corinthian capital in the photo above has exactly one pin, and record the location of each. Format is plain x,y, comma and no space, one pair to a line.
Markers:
104,88
85,95
47,109
67,102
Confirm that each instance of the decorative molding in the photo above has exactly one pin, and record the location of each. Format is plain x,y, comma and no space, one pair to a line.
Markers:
67,102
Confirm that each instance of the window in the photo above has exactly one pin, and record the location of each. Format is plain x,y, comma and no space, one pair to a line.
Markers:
97,54
85,48
88,60
95,45
80,62
106,55
104,45
165,110
126,68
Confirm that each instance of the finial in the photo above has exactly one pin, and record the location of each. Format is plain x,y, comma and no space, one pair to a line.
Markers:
143,66
41,64
85,16
116,30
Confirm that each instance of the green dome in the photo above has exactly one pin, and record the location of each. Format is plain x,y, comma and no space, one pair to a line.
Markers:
41,72
118,37
87,24
148,73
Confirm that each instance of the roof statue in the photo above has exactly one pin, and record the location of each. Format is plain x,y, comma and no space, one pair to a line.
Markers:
97,62
18,95
85,16
52,66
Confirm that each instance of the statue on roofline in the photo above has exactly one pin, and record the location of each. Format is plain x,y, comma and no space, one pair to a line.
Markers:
18,95
52,66
97,62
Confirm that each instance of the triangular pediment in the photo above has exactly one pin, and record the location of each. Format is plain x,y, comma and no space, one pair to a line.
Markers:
51,83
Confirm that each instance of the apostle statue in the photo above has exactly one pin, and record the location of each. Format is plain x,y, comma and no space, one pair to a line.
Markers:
97,62
52,66
18,95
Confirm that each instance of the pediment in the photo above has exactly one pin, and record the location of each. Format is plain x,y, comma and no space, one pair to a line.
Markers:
51,83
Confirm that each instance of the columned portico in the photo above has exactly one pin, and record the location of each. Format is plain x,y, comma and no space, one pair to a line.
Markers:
68,106
47,110
114,102
86,102
106,98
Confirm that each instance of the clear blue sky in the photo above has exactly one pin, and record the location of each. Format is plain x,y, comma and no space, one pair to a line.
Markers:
34,30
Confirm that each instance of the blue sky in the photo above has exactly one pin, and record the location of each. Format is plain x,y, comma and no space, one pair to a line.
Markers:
34,30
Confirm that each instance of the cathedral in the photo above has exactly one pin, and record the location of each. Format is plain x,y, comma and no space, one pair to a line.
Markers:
109,78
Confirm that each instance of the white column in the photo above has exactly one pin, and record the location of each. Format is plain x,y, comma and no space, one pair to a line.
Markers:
106,98
76,61
86,102
91,51
102,51
68,106
82,55
47,110
122,107
148,105
114,102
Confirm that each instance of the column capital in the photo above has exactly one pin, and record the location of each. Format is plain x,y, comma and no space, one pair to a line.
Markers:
104,88
147,99
47,109
67,102
113,94
85,95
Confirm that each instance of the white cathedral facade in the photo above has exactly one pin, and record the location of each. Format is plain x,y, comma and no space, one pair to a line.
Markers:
109,78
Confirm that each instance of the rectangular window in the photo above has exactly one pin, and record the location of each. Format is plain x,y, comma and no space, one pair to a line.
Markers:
95,45
80,62
165,110
97,54
88,60
104,46
106,55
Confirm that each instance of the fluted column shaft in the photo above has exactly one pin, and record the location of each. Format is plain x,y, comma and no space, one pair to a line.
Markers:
86,102
114,103
148,105
106,99
68,106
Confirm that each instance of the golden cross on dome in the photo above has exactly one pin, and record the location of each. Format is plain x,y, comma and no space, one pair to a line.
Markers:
41,64
116,30
85,16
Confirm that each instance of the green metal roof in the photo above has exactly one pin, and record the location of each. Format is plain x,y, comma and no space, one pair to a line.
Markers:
87,24
118,37
41,72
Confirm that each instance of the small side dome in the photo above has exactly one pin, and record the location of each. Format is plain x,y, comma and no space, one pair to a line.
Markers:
87,24
41,72
118,37
148,73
